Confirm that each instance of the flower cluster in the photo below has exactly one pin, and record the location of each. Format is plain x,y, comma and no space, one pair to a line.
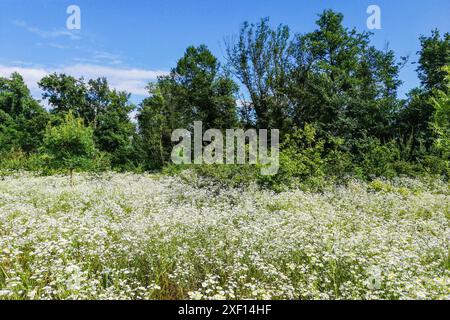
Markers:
127,236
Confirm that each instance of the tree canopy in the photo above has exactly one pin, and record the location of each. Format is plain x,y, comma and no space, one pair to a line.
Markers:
331,81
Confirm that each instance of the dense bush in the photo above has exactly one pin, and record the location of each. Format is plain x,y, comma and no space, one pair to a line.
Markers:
70,146
17,160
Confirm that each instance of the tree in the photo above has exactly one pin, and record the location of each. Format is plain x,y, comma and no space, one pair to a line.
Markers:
114,132
70,145
331,77
441,116
415,117
157,118
434,55
260,61
207,95
106,110
98,98
86,100
195,90
66,94
22,119
342,83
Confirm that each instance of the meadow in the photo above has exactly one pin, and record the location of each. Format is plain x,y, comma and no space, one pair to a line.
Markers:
144,236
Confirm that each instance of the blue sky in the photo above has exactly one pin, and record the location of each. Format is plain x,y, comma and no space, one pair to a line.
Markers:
131,42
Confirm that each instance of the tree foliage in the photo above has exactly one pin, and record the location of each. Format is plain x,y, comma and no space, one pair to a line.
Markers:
22,119
415,117
70,145
441,117
332,77
195,90
330,92
106,110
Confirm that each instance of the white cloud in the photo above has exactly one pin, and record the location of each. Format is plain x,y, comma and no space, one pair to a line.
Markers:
132,80
107,57
48,34
58,46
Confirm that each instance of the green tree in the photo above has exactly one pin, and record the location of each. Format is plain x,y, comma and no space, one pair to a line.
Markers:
415,117
441,117
106,110
434,55
65,94
195,90
342,83
157,118
114,132
22,119
70,145
331,77
259,59
205,93
98,99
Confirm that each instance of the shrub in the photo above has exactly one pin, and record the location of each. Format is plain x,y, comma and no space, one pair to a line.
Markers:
374,159
301,164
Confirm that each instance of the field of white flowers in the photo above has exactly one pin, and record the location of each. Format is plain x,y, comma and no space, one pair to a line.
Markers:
127,236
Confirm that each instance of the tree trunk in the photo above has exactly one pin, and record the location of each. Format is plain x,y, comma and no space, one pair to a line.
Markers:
71,177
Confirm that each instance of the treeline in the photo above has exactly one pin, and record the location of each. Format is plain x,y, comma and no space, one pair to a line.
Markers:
332,95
